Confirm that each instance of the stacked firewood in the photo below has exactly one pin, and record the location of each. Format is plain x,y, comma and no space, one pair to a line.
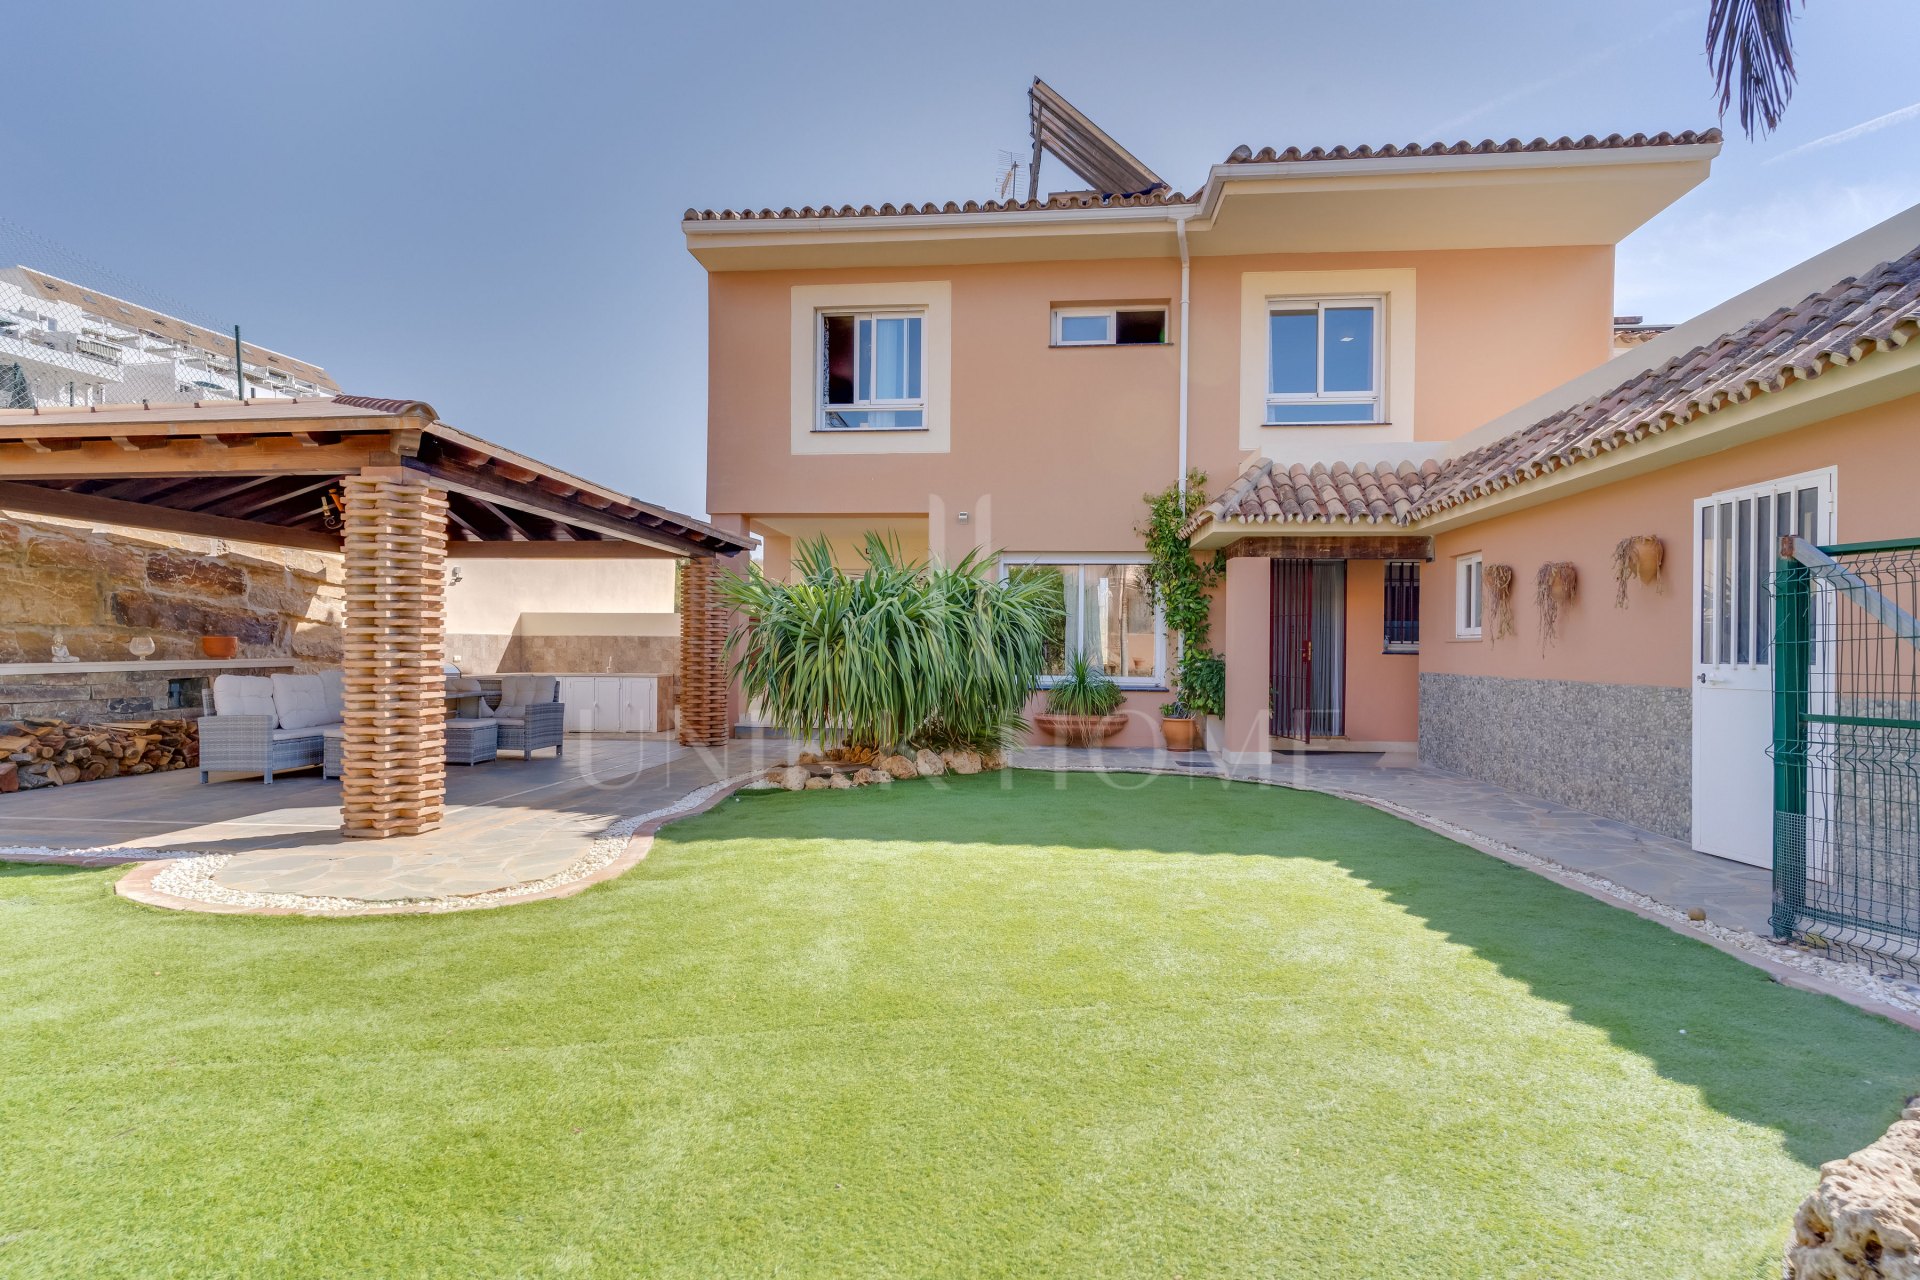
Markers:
53,753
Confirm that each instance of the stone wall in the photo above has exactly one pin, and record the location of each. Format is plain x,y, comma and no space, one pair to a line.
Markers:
1620,751
479,654
101,587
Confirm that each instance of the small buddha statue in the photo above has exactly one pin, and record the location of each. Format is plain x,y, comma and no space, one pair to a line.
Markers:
60,653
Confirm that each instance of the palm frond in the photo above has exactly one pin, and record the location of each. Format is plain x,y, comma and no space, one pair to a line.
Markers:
903,652
1750,47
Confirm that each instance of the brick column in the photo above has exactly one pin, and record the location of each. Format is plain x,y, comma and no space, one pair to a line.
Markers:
703,656
393,753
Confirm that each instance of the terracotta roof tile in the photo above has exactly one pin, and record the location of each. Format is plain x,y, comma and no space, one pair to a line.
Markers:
1073,200
1486,146
1851,319
1339,494
1840,325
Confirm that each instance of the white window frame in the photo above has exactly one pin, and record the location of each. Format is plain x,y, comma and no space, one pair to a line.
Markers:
862,404
1112,315
1469,597
1376,397
1158,680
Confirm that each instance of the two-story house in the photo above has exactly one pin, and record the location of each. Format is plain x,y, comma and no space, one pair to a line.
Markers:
1399,367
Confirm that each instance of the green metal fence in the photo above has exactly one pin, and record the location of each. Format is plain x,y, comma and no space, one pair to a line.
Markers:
1846,750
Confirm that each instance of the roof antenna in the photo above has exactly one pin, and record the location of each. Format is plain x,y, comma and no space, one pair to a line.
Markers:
1006,176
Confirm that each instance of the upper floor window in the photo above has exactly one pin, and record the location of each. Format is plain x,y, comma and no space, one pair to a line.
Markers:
872,371
1109,326
1323,360
1402,606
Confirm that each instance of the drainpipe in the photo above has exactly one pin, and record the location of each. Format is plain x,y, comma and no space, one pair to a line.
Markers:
1186,277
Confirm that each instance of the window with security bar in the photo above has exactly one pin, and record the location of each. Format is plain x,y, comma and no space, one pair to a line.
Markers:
1403,606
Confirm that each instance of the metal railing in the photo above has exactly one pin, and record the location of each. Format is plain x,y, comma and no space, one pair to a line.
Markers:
1846,750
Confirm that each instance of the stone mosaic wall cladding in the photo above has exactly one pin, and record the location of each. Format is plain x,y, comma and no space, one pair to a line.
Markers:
486,654
100,589
1620,751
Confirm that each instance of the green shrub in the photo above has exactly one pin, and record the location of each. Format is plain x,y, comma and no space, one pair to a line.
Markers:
902,653
1085,690
1203,683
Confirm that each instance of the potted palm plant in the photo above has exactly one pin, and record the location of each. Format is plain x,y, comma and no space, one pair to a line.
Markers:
1080,705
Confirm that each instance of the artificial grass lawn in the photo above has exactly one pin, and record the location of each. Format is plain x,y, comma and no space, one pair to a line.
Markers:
1008,1025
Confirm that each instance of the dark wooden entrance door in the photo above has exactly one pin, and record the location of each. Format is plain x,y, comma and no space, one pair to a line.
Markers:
1308,643
1292,646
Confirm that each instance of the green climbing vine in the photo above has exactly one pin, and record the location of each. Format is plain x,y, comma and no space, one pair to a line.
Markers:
1179,584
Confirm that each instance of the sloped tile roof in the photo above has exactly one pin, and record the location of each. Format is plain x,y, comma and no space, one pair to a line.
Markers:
1840,325
1069,200
1339,494
1846,322
1486,146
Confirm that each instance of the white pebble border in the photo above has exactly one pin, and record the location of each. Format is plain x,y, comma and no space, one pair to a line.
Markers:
1858,977
191,875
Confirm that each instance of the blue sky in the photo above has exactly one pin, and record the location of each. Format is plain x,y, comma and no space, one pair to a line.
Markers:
477,204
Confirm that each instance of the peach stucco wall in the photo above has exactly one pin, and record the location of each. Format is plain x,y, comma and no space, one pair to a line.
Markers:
1650,642
1383,689
1058,444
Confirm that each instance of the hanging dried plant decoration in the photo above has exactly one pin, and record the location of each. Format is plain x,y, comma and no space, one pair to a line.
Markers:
1637,556
1555,586
1499,580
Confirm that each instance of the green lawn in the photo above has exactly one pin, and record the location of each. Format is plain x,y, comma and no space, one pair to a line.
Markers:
1002,1026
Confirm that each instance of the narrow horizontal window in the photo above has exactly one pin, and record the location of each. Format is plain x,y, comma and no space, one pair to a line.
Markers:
1109,326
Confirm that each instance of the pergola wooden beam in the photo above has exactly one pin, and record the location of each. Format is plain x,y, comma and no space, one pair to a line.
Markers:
36,499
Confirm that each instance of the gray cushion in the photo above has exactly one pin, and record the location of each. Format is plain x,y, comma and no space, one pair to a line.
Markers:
304,731
300,702
515,721
518,691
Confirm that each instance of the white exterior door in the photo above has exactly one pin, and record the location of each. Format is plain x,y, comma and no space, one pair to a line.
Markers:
1735,546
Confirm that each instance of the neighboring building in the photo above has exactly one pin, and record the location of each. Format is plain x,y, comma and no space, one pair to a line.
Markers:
1633,331
65,344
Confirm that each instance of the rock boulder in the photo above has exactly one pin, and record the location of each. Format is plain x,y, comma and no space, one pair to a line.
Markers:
897,767
1863,1220
927,764
961,762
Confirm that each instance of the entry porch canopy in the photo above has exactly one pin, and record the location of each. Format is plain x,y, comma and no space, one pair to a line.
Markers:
393,489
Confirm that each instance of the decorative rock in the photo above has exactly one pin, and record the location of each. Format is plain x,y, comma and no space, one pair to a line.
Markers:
1696,913
961,762
814,784
840,782
793,777
808,757
994,760
866,777
927,764
1864,1218
897,766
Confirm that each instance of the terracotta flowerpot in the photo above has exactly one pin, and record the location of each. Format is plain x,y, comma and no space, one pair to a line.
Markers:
1182,734
1649,554
220,647
1079,731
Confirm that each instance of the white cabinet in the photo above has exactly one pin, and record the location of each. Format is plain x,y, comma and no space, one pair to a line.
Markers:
611,704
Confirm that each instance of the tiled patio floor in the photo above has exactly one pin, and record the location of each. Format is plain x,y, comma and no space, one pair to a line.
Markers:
1666,870
508,822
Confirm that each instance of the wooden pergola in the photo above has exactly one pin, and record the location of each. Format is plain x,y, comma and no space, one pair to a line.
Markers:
396,491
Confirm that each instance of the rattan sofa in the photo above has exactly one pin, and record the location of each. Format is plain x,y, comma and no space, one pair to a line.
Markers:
269,724
529,711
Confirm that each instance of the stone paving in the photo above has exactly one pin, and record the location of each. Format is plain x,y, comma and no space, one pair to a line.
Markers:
517,821
1666,870
508,822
